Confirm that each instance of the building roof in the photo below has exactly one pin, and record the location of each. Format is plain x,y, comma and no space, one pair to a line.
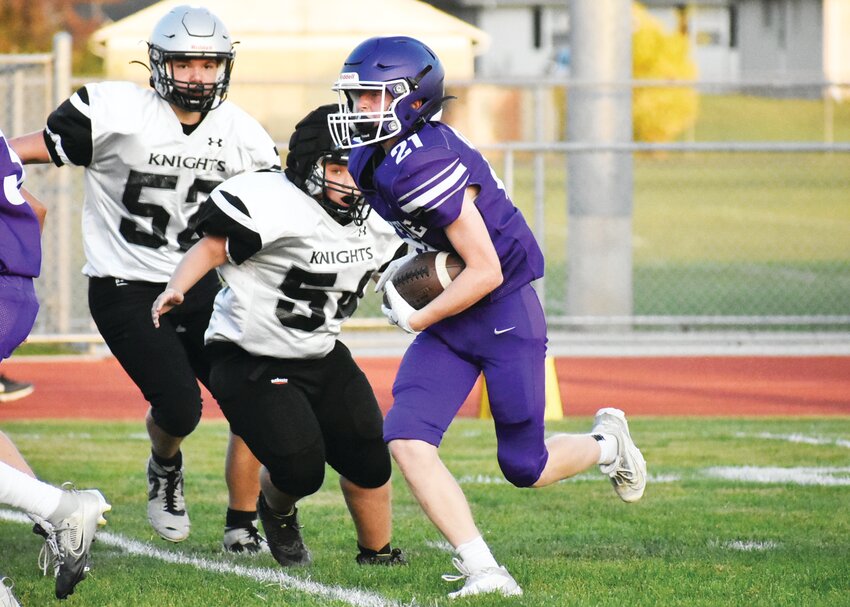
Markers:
303,18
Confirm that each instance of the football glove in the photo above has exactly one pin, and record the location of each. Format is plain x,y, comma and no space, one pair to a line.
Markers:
392,268
399,311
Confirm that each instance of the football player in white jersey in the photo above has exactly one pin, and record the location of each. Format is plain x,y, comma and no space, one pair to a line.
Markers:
151,156
296,251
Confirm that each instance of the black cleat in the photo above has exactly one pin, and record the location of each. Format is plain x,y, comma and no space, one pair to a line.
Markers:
283,534
393,557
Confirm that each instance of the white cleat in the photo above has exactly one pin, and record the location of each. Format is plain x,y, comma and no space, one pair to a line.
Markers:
73,537
166,505
491,579
7,597
244,540
628,470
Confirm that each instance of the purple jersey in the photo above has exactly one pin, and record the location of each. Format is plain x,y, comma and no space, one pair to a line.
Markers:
418,188
20,240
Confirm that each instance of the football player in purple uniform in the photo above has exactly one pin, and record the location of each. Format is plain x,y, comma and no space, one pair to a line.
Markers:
151,155
68,519
440,193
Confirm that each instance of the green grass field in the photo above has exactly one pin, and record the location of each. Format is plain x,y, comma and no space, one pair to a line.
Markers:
708,531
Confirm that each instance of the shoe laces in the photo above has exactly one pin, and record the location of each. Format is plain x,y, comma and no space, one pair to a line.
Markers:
620,474
49,555
67,536
247,536
174,500
464,571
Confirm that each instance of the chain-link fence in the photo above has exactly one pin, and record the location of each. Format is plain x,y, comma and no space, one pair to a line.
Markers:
723,234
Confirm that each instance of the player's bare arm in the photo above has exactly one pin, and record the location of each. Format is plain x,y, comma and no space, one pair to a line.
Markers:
483,271
207,254
37,206
31,148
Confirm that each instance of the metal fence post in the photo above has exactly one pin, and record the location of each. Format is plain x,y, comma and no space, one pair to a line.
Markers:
599,246
61,88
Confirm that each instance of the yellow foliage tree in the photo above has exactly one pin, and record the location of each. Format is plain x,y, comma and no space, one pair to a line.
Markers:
660,113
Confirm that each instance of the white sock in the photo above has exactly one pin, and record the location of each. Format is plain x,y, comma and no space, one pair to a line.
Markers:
608,448
31,495
476,555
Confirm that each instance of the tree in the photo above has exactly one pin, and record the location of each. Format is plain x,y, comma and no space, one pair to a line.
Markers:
28,26
661,113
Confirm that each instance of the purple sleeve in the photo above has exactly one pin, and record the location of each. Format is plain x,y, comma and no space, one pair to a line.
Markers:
430,184
20,239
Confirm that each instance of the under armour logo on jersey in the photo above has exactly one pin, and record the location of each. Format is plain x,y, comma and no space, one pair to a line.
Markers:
361,231
217,142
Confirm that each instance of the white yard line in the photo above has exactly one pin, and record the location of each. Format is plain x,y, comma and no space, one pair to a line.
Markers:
264,575
745,545
799,438
795,476
485,479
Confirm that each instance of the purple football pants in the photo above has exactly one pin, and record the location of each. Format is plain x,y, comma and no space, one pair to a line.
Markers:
506,340
18,309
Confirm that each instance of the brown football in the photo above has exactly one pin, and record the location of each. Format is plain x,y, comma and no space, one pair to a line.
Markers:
425,276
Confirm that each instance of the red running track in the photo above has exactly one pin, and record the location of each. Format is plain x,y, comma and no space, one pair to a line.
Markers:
704,386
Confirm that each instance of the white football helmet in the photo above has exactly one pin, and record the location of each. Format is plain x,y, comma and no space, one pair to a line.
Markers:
190,32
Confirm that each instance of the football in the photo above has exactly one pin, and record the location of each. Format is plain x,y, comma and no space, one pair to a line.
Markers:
425,276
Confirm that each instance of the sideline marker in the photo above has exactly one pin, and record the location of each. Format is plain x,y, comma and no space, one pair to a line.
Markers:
554,406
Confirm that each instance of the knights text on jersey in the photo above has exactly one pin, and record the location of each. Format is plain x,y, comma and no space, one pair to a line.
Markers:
20,238
418,187
294,275
145,178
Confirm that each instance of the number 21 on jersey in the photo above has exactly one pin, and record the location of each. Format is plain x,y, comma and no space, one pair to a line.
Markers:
402,150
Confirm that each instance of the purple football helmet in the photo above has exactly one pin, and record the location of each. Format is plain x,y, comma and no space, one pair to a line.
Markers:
404,71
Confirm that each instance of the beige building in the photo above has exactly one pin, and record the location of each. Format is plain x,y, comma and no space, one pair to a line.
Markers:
289,52
836,19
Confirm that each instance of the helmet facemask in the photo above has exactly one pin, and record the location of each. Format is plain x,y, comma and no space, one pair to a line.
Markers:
351,128
317,184
189,96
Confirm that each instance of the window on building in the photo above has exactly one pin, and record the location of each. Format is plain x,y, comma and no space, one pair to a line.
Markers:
733,26
537,16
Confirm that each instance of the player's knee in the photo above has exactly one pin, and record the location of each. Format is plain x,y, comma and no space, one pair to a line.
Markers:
405,452
299,474
177,418
402,423
369,467
520,472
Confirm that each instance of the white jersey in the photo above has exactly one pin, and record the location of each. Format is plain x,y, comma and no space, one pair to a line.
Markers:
294,274
145,178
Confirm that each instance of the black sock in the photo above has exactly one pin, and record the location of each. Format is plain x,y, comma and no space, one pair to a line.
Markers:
240,518
369,552
175,462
